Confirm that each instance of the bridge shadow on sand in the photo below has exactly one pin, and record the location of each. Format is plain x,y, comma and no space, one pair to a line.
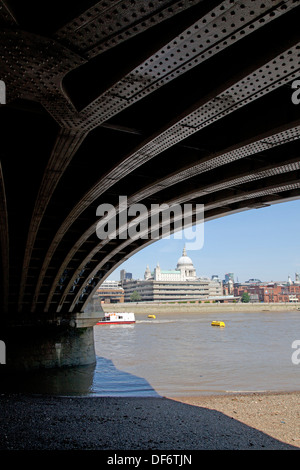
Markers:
63,410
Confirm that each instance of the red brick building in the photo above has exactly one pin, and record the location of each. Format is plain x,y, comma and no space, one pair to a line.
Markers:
270,292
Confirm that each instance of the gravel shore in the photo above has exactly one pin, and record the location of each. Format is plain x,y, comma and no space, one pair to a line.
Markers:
244,421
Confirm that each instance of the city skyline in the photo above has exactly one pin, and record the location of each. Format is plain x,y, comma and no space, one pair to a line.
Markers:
258,243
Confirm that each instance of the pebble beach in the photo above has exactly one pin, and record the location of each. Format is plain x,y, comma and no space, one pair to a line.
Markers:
255,421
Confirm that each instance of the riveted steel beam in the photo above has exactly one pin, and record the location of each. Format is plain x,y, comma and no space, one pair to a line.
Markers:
141,53
275,73
265,194
194,122
215,161
230,184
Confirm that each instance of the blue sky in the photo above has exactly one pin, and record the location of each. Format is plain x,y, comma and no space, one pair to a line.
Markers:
259,243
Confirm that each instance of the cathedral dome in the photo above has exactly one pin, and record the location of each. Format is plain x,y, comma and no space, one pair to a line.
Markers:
184,261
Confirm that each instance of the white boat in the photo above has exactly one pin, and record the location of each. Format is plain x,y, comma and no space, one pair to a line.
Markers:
117,318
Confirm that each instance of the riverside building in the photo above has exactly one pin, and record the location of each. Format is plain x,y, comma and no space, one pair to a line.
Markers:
270,292
110,292
179,284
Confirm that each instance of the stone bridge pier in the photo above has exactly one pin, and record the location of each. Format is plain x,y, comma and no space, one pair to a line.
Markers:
55,343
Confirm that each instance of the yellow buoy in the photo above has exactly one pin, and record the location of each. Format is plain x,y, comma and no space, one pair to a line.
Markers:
218,323
151,316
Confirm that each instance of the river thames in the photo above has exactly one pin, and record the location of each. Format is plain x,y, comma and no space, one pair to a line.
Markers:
181,354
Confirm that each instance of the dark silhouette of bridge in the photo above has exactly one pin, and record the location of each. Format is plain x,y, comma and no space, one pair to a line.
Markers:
162,101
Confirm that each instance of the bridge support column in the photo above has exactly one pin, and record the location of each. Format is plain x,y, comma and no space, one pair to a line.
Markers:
40,347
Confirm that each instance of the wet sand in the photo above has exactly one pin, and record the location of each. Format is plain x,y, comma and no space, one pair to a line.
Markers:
263,421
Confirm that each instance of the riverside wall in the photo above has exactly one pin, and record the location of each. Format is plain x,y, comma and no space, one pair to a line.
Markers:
157,308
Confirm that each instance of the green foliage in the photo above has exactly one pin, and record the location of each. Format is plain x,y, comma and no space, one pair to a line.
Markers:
245,297
135,296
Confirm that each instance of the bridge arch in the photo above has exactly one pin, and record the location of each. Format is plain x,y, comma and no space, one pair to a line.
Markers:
188,103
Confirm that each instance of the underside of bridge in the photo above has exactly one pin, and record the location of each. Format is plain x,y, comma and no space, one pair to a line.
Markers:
160,101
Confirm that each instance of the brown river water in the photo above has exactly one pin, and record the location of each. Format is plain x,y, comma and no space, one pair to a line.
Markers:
183,355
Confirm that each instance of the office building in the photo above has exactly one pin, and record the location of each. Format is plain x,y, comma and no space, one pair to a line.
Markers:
179,284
